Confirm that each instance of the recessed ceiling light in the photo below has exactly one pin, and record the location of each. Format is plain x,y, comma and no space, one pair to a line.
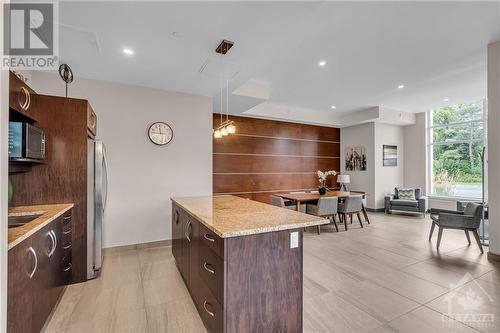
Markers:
128,51
401,86
446,100
321,63
333,107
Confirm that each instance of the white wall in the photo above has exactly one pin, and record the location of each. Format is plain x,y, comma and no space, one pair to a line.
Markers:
387,178
360,135
378,180
493,145
143,176
415,153
4,128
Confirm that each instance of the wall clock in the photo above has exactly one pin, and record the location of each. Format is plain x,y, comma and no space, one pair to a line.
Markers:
160,133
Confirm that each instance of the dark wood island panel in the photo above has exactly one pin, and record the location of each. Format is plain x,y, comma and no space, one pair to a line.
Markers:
247,283
264,283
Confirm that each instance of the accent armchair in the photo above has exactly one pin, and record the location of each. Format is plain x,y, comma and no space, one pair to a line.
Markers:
406,200
468,220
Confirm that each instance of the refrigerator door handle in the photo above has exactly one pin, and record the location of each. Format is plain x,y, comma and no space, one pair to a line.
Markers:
106,183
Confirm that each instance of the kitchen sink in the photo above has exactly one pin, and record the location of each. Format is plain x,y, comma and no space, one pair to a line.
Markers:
20,220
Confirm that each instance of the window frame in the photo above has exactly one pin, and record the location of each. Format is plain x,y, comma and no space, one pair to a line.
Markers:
430,151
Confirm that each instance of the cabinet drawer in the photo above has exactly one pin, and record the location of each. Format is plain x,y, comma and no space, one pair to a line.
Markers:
66,268
211,271
66,236
210,310
66,221
211,240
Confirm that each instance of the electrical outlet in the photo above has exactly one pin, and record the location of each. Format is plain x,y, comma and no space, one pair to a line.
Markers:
294,239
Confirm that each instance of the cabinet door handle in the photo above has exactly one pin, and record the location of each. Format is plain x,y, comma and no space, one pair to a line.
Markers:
209,238
176,217
54,243
208,269
55,238
68,268
188,231
33,253
27,99
67,246
208,311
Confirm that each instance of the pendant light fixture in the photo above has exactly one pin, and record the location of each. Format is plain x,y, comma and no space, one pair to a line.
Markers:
225,127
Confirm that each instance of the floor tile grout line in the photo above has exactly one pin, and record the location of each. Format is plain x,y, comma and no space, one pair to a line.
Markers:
458,321
142,286
379,319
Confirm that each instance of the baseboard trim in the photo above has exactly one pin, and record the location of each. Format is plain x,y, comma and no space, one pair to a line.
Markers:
493,256
167,242
375,210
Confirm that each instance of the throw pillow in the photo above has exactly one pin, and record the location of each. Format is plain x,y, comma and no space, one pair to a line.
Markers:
406,194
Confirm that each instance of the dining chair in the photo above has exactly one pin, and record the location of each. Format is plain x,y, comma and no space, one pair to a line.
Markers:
327,208
280,202
351,205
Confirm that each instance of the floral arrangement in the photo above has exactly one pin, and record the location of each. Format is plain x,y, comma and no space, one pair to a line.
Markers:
323,175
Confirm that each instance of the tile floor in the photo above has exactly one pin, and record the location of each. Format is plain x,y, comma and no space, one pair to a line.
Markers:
385,277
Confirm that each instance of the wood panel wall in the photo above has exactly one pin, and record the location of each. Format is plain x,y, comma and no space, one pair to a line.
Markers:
268,156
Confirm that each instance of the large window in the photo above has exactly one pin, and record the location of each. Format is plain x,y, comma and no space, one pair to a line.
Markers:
457,135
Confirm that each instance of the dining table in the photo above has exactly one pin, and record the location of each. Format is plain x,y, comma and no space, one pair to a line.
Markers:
300,198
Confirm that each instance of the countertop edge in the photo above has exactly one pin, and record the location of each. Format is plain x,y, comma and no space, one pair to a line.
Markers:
40,226
246,232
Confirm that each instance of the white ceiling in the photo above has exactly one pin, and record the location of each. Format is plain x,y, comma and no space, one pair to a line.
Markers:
436,49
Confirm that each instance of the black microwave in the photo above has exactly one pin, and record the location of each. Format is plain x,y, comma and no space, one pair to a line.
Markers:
26,141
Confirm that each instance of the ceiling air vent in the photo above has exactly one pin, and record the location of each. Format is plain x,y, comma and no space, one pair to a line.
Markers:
224,46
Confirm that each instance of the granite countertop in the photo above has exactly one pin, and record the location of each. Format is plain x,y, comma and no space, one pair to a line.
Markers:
231,216
49,214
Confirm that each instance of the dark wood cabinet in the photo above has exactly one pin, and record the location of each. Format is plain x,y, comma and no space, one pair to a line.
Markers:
250,283
193,257
21,263
36,278
67,124
188,250
176,232
20,98
43,244
55,262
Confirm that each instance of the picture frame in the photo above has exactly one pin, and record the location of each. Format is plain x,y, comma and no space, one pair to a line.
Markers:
390,155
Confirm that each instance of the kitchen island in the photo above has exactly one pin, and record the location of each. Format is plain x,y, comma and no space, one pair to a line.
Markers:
241,261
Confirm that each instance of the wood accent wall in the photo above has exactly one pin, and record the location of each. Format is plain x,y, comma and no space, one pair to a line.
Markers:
268,156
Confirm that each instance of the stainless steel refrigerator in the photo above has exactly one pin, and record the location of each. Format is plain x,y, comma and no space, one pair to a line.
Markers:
97,194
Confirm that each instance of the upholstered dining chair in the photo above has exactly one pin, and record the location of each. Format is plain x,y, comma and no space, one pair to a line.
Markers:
351,205
280,202
327,208
468,220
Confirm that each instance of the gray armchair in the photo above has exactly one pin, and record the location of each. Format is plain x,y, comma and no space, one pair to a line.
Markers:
326,207
394,202
468,220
